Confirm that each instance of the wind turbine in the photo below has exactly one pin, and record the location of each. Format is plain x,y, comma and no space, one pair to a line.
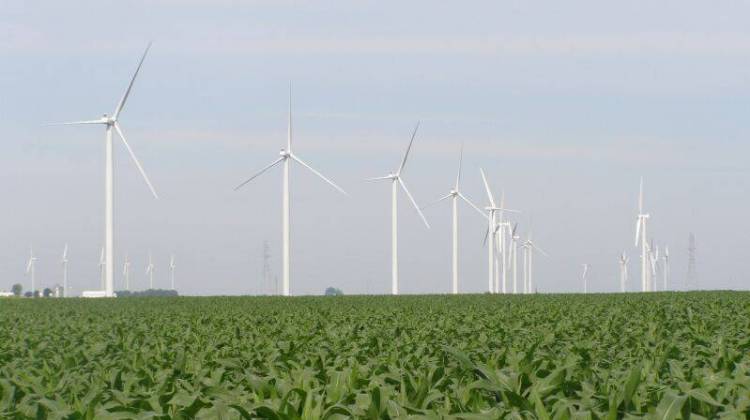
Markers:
171,269
665,269
653,256
30,270
492,229
64,263
640,233
455,194
150,272
529,247
585,279
514,237
111,123
285,157
102,269
396,181
126,272
623,272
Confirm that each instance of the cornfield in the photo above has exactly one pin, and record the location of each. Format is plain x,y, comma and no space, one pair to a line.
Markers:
660,355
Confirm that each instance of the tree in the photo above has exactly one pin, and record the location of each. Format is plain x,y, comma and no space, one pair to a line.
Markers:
332,291
17,289
47,292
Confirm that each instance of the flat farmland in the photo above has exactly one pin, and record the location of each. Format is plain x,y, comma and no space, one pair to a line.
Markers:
658,355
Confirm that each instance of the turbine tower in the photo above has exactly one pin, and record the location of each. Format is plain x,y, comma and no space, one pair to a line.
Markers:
653,256
30,270
102,270
150,271
171,270
665,268
285,157
640,233
529,247
126,272
396,182
691,280
111,123
64,263
493,226
584,278
623,272
455,194
514,237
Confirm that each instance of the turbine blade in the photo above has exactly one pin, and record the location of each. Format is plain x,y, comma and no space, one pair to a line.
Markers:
541,251
413,202
289,124
460,163
121,104
135,160
640,198
472,205
638,230
378,178
487,188
321,176
437,201
406,155
257,174
79,122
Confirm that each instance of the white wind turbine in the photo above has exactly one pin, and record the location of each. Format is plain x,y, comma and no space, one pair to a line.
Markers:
455,194
285,157
584,278
64,263
172,266
111,123
126,272
30,270
665,268
396,181
102,270
514,237
150,271
653,256
491,235
623,272
640,233
528,256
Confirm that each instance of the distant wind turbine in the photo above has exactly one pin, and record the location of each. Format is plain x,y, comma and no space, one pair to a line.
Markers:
111,123
640,233
64,263
585,279
665,269
286,156
653,256
529,247
491,235
126,272
150,271
623,272
514,237
396,182
455,194
171,270
30,270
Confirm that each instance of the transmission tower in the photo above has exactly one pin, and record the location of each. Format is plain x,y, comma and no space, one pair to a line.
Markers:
691,281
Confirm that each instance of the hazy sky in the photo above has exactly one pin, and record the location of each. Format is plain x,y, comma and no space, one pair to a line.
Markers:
565,105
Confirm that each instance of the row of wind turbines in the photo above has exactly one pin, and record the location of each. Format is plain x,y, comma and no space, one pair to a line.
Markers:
126,271
651,263
502,238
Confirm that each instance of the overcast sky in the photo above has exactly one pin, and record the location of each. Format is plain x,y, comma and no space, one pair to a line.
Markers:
564,104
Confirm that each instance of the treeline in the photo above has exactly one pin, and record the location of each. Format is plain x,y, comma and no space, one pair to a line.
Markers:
149,292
